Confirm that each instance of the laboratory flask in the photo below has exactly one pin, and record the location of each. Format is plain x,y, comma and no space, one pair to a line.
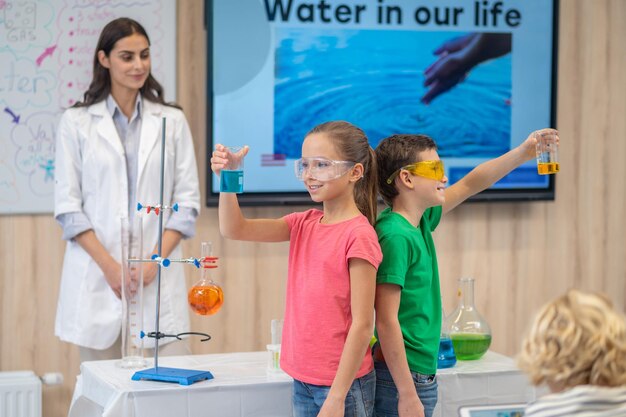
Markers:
446,357
206,297
468,329
133,253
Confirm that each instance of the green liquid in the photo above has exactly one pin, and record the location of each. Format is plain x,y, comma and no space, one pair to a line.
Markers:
470,346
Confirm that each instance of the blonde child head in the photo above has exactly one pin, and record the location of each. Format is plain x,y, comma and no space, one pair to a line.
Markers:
577,339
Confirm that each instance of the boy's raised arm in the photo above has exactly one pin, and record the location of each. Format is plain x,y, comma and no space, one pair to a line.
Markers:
488,173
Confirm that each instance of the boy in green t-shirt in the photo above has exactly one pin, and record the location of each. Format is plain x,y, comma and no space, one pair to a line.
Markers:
408,299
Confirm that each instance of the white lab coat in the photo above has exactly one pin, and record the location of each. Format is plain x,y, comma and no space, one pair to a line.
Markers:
90,176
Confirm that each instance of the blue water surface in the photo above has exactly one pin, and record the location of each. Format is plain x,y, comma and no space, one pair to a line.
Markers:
374,79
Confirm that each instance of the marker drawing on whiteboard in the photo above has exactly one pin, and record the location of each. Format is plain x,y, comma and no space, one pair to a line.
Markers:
16,117
47,52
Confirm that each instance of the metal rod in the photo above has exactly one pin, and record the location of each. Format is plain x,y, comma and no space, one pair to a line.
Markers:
185,261
144,260
158,298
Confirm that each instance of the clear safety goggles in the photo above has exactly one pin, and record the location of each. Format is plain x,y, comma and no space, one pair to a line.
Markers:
426,169
321,169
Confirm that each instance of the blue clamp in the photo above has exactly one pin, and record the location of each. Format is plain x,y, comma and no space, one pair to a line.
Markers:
161,261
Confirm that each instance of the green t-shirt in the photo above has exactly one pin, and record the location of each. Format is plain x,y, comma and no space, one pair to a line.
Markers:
410,261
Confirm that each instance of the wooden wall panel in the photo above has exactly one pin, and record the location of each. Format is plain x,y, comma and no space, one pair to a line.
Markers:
521,254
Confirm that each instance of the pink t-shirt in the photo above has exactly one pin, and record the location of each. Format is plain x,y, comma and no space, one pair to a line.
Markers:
317,312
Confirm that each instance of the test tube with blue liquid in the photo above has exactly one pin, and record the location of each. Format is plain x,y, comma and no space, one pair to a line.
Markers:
231,177
446,357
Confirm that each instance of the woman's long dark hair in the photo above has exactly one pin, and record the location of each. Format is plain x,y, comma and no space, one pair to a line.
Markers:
100,86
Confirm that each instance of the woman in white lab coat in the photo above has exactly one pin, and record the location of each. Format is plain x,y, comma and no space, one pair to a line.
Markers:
108,158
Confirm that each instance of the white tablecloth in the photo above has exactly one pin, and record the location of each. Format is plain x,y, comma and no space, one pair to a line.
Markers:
243,387
493,379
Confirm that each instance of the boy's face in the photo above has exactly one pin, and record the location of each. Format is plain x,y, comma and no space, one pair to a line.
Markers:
427,191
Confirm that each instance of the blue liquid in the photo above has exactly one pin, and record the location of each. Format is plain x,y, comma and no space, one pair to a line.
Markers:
311,87
231,181
446,357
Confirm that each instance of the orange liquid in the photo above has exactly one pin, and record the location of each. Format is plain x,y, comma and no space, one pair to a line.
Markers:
544,168
206,299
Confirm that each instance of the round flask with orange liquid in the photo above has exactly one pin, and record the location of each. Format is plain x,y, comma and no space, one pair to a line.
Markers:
206,297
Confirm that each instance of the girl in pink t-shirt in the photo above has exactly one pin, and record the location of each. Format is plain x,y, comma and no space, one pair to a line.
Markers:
333,258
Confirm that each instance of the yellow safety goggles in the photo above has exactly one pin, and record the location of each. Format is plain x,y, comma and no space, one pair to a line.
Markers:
427,169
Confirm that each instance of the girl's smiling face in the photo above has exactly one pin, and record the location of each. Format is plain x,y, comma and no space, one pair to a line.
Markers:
319,145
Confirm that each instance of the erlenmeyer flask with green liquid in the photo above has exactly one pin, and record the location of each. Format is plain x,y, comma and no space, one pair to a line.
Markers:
468,329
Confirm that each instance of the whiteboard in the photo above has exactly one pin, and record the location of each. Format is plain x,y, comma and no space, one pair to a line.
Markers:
46,64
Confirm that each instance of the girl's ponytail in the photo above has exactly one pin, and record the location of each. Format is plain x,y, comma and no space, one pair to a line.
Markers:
366,190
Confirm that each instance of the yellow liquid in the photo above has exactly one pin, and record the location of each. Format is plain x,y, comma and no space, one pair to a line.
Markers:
545,168
206,299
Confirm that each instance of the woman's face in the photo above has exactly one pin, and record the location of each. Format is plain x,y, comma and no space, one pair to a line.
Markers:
128,63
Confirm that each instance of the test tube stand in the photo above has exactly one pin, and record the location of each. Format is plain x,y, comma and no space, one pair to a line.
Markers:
160,373
163,374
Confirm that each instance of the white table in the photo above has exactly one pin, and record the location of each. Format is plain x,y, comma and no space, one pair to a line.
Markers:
243,387
493,379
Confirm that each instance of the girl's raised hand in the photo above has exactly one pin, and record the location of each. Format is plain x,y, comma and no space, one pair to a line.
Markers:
223,157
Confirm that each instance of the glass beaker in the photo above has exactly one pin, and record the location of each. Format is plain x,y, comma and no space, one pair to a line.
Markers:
468,329
206,297
547,152
446,357
231,177
132,292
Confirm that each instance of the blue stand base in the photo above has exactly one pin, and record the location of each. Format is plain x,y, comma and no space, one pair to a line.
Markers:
182,376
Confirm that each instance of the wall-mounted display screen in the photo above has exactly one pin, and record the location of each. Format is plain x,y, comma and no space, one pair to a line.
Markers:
477,76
